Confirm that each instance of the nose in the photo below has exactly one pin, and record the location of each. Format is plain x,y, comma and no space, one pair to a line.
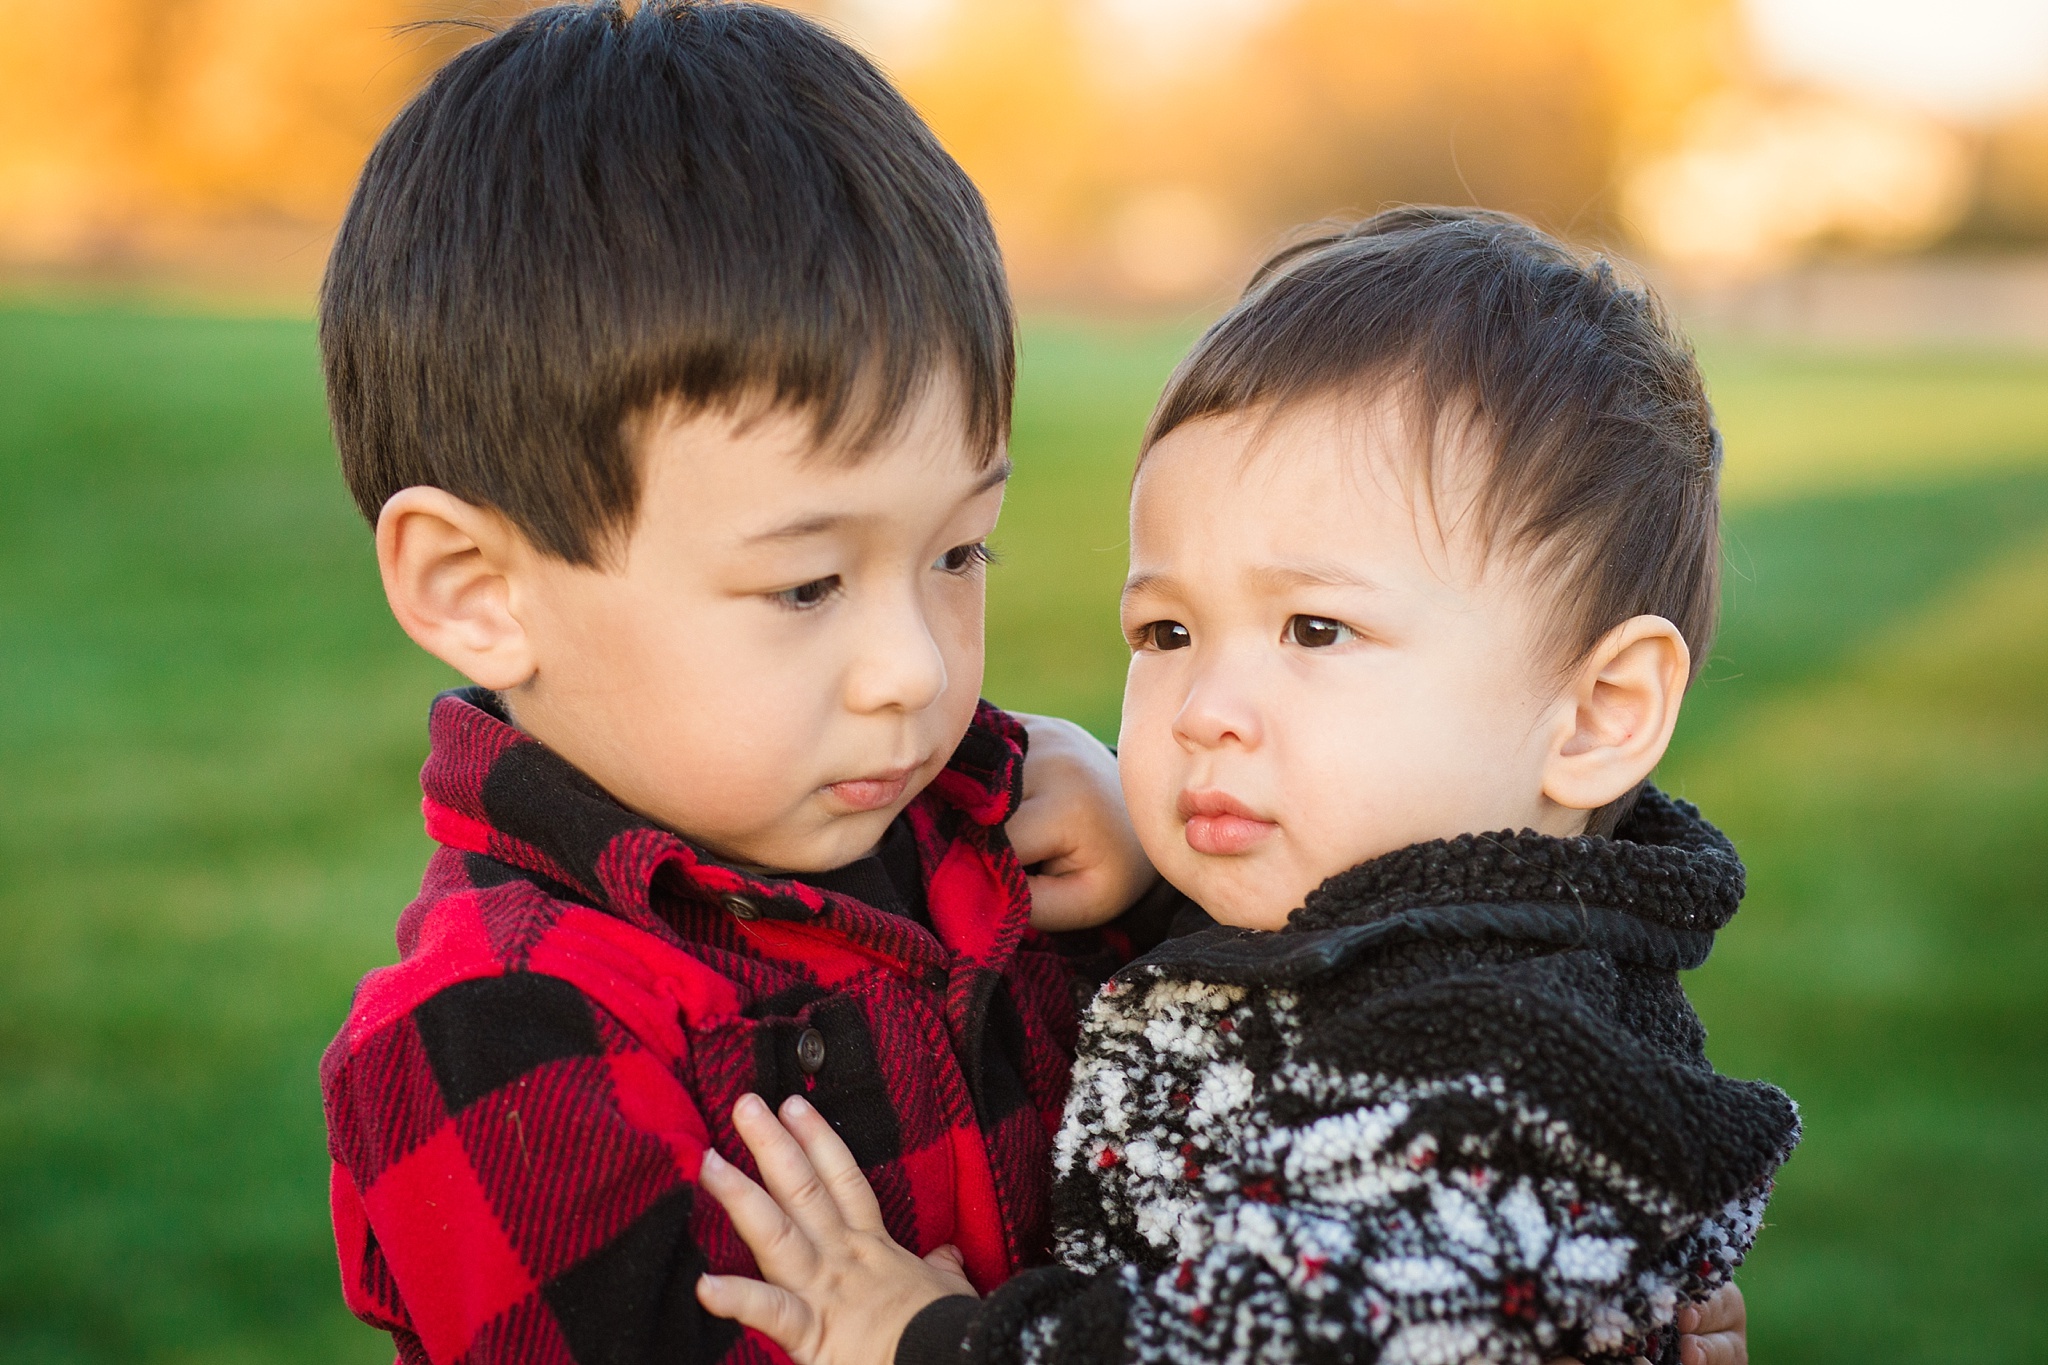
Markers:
1218,710
897,665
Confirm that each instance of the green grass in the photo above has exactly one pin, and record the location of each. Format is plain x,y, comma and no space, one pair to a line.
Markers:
209,731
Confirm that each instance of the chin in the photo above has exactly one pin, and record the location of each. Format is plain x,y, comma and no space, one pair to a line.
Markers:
851,837
1227,900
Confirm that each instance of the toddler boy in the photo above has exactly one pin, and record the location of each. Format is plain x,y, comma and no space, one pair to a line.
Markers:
1424,543
672,359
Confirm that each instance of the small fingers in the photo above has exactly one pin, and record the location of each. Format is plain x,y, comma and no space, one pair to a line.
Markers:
788,1172
777,1314
780,1247
834,1164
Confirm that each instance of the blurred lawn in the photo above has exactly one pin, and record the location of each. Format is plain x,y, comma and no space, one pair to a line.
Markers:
209,731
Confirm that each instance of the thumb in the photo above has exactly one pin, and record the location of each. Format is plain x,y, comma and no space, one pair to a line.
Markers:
949,1263
1044,834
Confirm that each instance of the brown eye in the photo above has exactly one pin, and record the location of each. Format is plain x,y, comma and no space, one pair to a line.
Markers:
1168,635
962,559
804,596
1316,632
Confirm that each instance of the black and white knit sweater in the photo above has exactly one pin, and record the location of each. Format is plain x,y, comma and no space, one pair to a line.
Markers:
1459,1109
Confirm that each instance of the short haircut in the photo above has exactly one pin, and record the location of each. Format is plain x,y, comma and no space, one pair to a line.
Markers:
593,213
1601,461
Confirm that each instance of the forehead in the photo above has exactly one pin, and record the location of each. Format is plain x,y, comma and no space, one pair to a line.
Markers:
1336,473
757,477
787,441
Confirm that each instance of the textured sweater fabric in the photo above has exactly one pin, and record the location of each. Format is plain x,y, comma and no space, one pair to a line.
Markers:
1459,1109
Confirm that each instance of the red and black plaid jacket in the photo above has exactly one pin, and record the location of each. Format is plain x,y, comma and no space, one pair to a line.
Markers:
517,1108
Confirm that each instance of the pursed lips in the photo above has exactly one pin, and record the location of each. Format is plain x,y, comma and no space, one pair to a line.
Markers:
874,791
1218,823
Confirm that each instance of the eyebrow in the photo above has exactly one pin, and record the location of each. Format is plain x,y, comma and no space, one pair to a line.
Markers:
1313,574
1270,577
1148,582
998,474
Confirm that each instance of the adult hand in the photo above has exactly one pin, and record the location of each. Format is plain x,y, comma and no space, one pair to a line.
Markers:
835,1288
1712,1333
1715,1332
1071,830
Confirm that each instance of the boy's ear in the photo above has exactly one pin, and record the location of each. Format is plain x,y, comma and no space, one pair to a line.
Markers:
449,570
1623,705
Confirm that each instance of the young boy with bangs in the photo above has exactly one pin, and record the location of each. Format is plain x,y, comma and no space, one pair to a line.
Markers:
672,360
1424,554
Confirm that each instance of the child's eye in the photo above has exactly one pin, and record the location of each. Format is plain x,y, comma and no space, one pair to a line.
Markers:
1164,635
1316,632
965,559
804,596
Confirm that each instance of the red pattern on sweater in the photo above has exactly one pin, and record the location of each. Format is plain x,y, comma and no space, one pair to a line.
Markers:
518,1107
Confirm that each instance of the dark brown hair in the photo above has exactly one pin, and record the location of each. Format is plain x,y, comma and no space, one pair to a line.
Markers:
593,212
1602,461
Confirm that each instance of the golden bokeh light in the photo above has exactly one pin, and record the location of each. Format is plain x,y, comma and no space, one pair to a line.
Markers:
1132,151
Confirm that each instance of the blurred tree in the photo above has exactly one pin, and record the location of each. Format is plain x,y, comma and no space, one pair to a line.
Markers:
1006,85
1129,148
140,129
1112,176
2011,207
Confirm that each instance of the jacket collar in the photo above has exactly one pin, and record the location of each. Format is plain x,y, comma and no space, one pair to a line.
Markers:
491,789
1665,864
1654,894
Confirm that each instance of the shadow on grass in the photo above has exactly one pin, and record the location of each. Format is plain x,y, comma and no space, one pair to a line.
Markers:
1806,582
1890,970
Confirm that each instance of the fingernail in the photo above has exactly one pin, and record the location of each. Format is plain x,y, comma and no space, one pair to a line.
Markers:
712,1160
795,1105
750,1102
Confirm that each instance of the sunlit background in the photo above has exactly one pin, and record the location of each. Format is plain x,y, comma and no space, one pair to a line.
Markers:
1134,150
210,729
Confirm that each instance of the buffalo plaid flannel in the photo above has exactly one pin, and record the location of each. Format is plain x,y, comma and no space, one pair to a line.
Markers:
517,1108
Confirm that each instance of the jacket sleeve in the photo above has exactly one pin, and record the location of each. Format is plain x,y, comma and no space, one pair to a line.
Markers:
1476,1168
514,1180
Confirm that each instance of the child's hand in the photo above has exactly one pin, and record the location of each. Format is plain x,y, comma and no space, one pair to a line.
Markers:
839,1290
1072,831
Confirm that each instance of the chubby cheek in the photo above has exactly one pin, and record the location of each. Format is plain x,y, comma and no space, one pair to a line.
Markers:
957,623
1440,756
1149,762
730,749
705,731
1371,779
1150,804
